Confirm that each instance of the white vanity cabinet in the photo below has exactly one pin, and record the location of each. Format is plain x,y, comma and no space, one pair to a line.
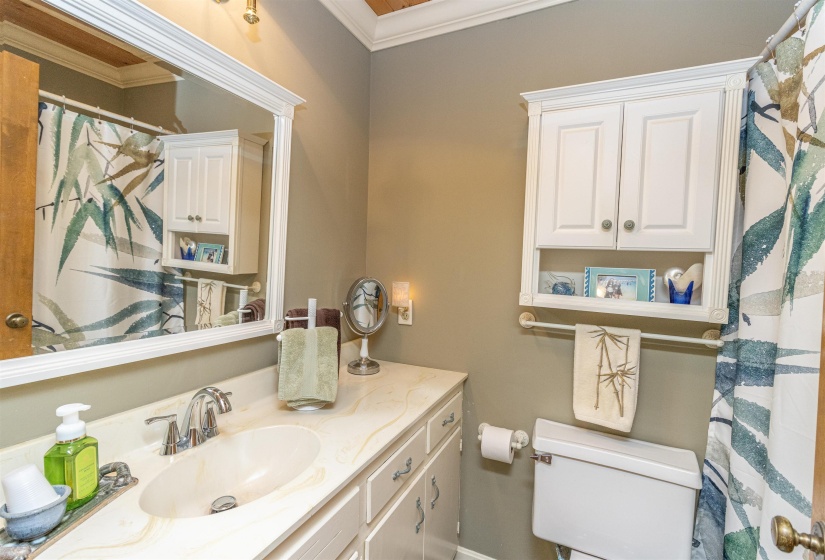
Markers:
641,164
409,501
213,195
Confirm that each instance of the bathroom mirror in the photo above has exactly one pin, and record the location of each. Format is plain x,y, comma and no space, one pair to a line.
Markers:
365,309
160,76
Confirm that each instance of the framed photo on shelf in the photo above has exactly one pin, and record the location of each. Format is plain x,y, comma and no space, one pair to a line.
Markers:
628,284
209,252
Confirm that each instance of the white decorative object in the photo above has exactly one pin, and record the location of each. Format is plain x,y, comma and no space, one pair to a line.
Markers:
26,489
144,28
670,275
213,186
661,153
694,274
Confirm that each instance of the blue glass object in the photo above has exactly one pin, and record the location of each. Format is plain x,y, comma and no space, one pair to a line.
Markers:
680,297
562,288
189,255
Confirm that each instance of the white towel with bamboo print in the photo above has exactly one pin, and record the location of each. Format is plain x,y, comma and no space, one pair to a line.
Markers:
606,376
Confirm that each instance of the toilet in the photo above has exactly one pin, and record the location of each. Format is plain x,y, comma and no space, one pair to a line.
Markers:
612,497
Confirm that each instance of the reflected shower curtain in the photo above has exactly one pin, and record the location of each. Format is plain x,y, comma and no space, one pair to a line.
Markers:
98,235
760,453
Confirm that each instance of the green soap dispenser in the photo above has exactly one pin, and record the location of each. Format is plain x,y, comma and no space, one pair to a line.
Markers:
73,459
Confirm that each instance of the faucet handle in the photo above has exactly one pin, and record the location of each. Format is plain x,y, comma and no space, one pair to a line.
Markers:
169,445
209,423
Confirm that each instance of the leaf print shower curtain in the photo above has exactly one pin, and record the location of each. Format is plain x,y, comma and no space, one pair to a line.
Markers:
98,235
760,453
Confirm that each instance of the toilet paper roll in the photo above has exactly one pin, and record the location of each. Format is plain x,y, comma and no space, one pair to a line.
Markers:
495,444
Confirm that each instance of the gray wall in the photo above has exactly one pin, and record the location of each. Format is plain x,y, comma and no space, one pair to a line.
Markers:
448,133
302,47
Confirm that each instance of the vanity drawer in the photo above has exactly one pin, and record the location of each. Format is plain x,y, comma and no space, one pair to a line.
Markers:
329,535
390,477
443,421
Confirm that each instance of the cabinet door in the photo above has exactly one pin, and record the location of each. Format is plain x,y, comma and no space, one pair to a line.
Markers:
669,160
442,481
181,188
215,192
400,535
579,177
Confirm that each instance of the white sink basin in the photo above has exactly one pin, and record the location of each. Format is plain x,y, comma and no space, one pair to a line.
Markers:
247,465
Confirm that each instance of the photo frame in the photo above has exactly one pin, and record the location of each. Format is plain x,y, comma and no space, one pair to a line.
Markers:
209,252
627,284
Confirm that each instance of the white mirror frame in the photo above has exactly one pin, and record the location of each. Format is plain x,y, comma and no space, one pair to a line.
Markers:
144,28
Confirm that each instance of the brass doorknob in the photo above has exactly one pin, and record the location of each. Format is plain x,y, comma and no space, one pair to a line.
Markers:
786,538
16,321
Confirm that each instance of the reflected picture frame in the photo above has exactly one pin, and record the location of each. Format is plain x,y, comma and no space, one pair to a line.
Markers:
627,284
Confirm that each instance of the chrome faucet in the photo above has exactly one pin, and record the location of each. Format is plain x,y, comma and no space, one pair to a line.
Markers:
197,427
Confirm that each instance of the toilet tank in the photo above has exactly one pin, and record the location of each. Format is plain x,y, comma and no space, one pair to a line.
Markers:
613,497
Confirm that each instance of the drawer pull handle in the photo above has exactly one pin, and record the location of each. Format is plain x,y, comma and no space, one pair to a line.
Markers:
449,420
437,494
396,474
421,511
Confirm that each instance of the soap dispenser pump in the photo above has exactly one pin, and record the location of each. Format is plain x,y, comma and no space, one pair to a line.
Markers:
73,460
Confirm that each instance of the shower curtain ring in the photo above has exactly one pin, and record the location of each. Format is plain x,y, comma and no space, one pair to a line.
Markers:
798,23
768,43
64,102
98,114
132,127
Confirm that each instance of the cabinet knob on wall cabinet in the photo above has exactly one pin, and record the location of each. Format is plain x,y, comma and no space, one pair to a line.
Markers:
190,217
17,321
629,225
197,218
607,224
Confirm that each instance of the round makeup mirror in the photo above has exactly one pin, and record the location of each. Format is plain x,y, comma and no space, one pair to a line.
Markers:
366,309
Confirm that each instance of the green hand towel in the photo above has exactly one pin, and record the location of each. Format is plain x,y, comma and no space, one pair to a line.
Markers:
308,368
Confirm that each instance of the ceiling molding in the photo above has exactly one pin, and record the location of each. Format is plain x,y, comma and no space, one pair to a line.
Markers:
429,19
133,75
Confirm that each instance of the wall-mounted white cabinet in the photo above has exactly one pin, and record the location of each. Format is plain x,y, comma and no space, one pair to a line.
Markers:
213,195
647,163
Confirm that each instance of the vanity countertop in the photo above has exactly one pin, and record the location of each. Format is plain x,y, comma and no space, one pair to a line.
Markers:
370,413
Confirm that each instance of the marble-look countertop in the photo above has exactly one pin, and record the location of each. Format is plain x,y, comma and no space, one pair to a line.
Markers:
370,413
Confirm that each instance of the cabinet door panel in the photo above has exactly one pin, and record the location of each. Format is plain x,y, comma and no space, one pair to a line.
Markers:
578,177
215,188
669,172
442,481
395,537
182,185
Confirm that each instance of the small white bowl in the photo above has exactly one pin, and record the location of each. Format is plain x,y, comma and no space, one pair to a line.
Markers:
29,525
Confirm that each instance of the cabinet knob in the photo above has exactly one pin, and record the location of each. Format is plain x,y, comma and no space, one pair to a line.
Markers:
16,321
197,218
190,217
607,224
629,225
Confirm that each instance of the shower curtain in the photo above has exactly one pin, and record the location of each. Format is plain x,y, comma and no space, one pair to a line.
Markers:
760,452
98,235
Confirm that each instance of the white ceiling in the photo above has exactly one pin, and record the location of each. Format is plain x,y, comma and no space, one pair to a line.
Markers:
429,19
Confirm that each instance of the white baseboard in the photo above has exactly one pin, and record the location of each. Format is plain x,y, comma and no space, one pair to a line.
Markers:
466,554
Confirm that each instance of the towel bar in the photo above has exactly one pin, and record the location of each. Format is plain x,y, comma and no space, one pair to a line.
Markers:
710,337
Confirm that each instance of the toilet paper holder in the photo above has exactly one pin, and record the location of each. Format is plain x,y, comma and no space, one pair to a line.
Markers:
519,440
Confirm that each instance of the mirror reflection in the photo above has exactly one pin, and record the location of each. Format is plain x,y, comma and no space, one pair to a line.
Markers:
151,200
365,309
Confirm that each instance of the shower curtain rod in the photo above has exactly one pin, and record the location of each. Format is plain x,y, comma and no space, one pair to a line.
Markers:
800,10
100,112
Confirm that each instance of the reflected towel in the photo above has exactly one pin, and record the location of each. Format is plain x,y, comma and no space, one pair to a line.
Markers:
308,371
211,297
257,308
606,376
324,317
227,320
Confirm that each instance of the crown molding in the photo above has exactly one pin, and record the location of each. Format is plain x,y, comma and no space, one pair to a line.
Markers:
134,75
429,19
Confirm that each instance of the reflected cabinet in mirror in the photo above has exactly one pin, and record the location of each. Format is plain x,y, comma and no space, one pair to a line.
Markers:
145,190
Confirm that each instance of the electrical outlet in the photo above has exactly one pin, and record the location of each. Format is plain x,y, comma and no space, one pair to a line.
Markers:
405,318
